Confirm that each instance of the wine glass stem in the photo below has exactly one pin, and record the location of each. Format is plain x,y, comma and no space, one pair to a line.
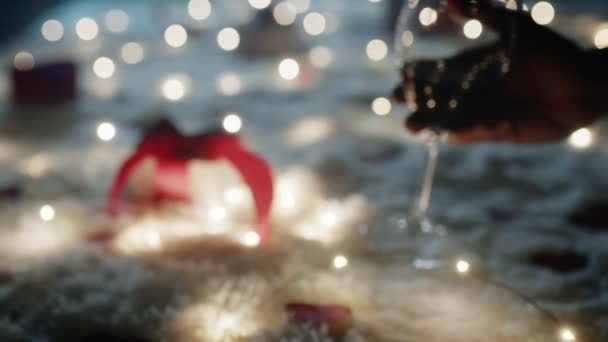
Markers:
426,184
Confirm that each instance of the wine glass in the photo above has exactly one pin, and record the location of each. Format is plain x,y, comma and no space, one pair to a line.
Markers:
448,57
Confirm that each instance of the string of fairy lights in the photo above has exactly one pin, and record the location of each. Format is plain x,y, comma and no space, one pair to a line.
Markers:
175,87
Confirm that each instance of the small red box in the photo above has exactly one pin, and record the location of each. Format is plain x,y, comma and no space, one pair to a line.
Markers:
50,83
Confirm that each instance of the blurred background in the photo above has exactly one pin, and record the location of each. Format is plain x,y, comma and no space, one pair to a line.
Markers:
306,83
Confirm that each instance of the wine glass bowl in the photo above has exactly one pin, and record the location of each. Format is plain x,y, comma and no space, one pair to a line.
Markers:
450,52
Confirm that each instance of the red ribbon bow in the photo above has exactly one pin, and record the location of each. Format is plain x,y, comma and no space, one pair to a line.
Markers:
172,152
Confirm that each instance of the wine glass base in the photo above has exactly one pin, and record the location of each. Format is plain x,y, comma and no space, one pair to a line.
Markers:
407,239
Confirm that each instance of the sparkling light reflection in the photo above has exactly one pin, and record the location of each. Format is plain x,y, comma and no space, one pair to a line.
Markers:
232,123
24,61
376,50
47,213
472,29
104,67
543,13
199,9
117,21
228,39
284,13
87,29
314,23
176,36
106,131
581,139
52,30
427,16
132,53
289,69
381,106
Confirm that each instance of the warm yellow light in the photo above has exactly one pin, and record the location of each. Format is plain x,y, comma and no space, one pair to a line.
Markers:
376,50
300,5
87,29
314,23
234,195
24,61
47,213
260,4
289,69
106,131
581,139
427,16
320,56
132,53
284,13
52,30
250,239
543,13
104,67
232,123
407,38
199,9
329,219
381,106
176,36
216,213
463,266
229,84
340,261
173,89
117,21
601,38
472,29
567,335
228,39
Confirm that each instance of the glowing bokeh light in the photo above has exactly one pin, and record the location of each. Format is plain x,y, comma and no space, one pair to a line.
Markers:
543,13
216,213
314,23
174,88
284,13
104,67
228,39
24,61
232,123
260,4
52,30
320,56
250,239
117,21
106,131
87,29
176,36
463,266
381,106
199,9
229,84
340,261
47,213
601,38
581,139
427,16
132,53
329,219
289,69
567,335
407,38
376,50
472,29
